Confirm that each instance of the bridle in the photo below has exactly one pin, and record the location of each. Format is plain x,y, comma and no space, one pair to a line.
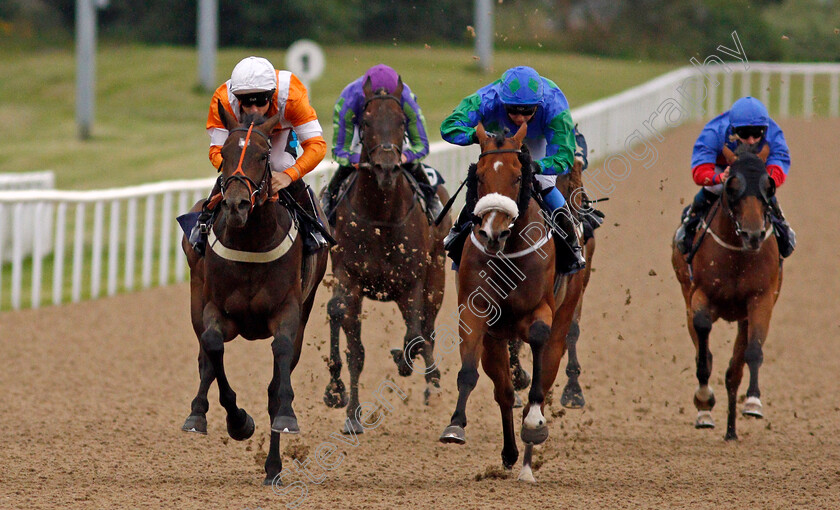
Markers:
385,147
238,175
731,214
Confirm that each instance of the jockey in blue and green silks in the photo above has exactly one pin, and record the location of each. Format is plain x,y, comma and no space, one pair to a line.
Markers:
346,143
523,96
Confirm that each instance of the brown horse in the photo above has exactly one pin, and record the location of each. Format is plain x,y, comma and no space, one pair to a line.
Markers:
386,251
735,275
507,290
251,282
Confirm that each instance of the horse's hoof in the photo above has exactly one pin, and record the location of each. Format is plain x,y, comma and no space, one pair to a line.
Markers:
285,425
534,436
432,393
753,408
527,475
453,434
335,395
269,481
195,423
572,397
521,379
517,401
730,436
704,420
352,426
403,368
242,432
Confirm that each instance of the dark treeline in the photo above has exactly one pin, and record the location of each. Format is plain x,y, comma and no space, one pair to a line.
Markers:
807,30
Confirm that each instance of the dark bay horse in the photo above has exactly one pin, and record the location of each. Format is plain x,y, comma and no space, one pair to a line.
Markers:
507,291
735,275
386,251
253,281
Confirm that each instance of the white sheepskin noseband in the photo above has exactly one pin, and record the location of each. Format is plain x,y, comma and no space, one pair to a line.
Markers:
496,202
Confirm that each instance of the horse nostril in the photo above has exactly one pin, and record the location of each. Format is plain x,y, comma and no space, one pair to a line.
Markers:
244,205
482,234
504,234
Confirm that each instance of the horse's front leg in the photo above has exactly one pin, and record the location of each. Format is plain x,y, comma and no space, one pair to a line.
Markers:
417,340
286,351
521,377
197,420
534,427
240,425
699,327
496,364
760,310
572,396
734,374
335,395
472,329
352,325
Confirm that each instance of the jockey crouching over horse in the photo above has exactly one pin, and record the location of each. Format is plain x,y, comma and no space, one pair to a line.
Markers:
389,248
524,98
254,278
733,269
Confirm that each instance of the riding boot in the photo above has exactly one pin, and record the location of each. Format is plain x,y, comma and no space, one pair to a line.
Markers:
313,240
328,201
433,204
198,234
569,253
691,217
785,235
454,241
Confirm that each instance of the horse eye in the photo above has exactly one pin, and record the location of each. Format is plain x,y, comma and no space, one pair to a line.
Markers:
518,180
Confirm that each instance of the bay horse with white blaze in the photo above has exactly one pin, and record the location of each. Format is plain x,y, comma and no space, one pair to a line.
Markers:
252,281
507,291
386,251
735,274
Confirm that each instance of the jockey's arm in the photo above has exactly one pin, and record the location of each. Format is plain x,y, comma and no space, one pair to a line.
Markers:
559,145
778,162
418,140
215,128
344,128
459,127
304,121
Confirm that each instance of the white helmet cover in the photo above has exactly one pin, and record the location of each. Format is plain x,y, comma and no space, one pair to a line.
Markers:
253,74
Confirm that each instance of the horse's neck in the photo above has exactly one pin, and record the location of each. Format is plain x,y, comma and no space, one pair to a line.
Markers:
527,229
373,203
265,224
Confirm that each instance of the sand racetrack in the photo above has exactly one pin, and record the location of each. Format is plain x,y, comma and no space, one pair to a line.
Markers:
94,394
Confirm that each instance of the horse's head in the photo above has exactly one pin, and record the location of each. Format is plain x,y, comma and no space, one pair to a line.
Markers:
500,183
746,196
382,131
246,170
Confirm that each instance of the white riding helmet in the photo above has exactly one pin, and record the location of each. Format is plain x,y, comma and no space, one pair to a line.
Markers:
253,74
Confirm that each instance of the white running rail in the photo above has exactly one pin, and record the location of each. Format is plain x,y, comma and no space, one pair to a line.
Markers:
131,235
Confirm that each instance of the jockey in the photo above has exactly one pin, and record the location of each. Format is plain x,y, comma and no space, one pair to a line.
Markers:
523,96
255,86
746,122
347,144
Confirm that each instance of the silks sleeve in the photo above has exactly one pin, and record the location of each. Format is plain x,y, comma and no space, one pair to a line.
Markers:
559,144
304,121
459,127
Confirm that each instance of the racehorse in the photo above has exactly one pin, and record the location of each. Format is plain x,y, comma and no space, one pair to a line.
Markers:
735,274
252,281
507,290
386,251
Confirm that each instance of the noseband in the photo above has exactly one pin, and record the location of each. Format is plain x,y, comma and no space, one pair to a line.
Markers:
238,175
385,147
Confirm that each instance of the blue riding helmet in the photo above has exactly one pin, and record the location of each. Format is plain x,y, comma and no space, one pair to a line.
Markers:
748,111
521,86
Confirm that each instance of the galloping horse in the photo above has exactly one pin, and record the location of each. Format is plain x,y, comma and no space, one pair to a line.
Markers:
253,281
735,275
508,291
386,251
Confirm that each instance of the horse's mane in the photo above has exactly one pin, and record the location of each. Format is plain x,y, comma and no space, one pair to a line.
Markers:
527,176
748,164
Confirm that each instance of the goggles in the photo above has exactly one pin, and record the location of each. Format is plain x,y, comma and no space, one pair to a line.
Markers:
257,98
521,109
745,132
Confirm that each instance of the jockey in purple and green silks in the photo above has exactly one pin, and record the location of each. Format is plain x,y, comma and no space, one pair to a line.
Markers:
347,144
523,96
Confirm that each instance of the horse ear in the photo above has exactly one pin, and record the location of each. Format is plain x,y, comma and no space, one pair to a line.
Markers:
520,135
268,125
764,153
728,155
367,88
480,133
228,120
399,90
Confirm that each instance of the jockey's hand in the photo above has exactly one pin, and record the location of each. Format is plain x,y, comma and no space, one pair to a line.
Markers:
403,158
723,175
279,181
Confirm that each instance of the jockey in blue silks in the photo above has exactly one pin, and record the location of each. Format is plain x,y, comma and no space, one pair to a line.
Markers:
746,122
523,96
